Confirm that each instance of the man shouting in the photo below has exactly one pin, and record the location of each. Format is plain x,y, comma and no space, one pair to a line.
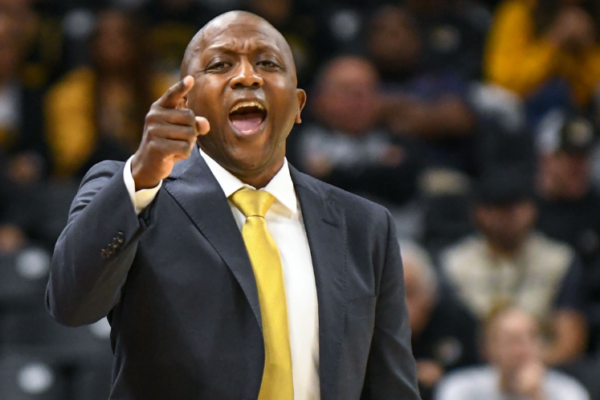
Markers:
224,272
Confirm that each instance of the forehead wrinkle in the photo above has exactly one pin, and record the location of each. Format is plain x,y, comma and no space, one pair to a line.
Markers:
228,29
248,45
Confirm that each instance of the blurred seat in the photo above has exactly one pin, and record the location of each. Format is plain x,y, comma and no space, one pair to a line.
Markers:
31,377
82,355
75,360
23,277
34,328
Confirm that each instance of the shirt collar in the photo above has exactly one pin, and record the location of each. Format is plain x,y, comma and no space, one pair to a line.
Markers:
281,186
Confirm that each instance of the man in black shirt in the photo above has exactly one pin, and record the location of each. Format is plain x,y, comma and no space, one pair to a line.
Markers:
568,207
567,204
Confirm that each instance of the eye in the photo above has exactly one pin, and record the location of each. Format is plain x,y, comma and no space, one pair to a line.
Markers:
218,66
269,64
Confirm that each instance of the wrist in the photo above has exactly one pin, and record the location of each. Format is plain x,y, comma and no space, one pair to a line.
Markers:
141,180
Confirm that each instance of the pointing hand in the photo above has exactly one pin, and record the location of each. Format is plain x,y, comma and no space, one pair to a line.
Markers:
170,135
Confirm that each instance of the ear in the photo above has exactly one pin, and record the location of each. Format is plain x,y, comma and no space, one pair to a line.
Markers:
301,103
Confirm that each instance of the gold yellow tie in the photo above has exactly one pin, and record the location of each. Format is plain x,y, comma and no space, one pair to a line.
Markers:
277,381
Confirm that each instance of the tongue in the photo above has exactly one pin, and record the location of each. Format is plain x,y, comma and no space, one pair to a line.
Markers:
246,123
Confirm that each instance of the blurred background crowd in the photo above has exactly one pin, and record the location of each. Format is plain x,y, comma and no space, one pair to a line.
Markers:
474,121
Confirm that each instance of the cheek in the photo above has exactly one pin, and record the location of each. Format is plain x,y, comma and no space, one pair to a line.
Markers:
206,101
282,98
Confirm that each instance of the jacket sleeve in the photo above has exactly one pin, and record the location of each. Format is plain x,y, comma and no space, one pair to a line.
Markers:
96,249
391,368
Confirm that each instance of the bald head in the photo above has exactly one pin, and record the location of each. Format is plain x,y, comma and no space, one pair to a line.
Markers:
216,27
238,58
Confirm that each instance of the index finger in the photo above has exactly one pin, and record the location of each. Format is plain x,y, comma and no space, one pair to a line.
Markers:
173,96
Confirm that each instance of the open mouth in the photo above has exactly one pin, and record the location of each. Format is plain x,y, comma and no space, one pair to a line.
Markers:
247,117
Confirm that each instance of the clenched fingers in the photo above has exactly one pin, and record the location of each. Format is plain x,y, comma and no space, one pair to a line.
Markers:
202,125
183,116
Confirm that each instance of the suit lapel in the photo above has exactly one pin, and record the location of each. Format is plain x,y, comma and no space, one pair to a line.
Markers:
197,191
326,230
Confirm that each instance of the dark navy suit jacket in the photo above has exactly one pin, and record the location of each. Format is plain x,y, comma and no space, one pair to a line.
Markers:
179,291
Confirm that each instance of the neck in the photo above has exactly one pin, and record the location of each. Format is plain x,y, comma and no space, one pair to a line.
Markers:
255,177
503,251
261,179
508,386
506,382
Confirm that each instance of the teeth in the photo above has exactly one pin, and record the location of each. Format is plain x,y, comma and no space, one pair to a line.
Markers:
247,104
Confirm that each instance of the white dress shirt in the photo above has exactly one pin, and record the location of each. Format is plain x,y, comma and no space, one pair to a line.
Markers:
286,226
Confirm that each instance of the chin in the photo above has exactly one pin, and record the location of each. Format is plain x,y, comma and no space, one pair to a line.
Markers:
248,160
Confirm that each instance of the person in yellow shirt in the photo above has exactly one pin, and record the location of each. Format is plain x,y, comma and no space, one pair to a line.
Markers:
97,112
535,41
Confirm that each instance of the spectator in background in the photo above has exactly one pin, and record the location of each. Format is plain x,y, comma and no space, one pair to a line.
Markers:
513,347
426,104
173,23
22,151
20,106
96,113
567,203
547,51
510,264
453,34
41,25
443,331
346,146
394,44
568,206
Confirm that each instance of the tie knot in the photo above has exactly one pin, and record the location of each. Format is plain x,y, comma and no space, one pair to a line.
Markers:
252,202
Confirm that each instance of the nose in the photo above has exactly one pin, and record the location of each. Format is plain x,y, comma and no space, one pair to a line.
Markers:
245,76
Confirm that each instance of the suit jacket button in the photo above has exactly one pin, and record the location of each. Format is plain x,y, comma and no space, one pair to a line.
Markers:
104,254
110,250
120,237
115,242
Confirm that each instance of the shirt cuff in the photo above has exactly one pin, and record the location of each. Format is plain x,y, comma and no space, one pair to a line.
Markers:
142,198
